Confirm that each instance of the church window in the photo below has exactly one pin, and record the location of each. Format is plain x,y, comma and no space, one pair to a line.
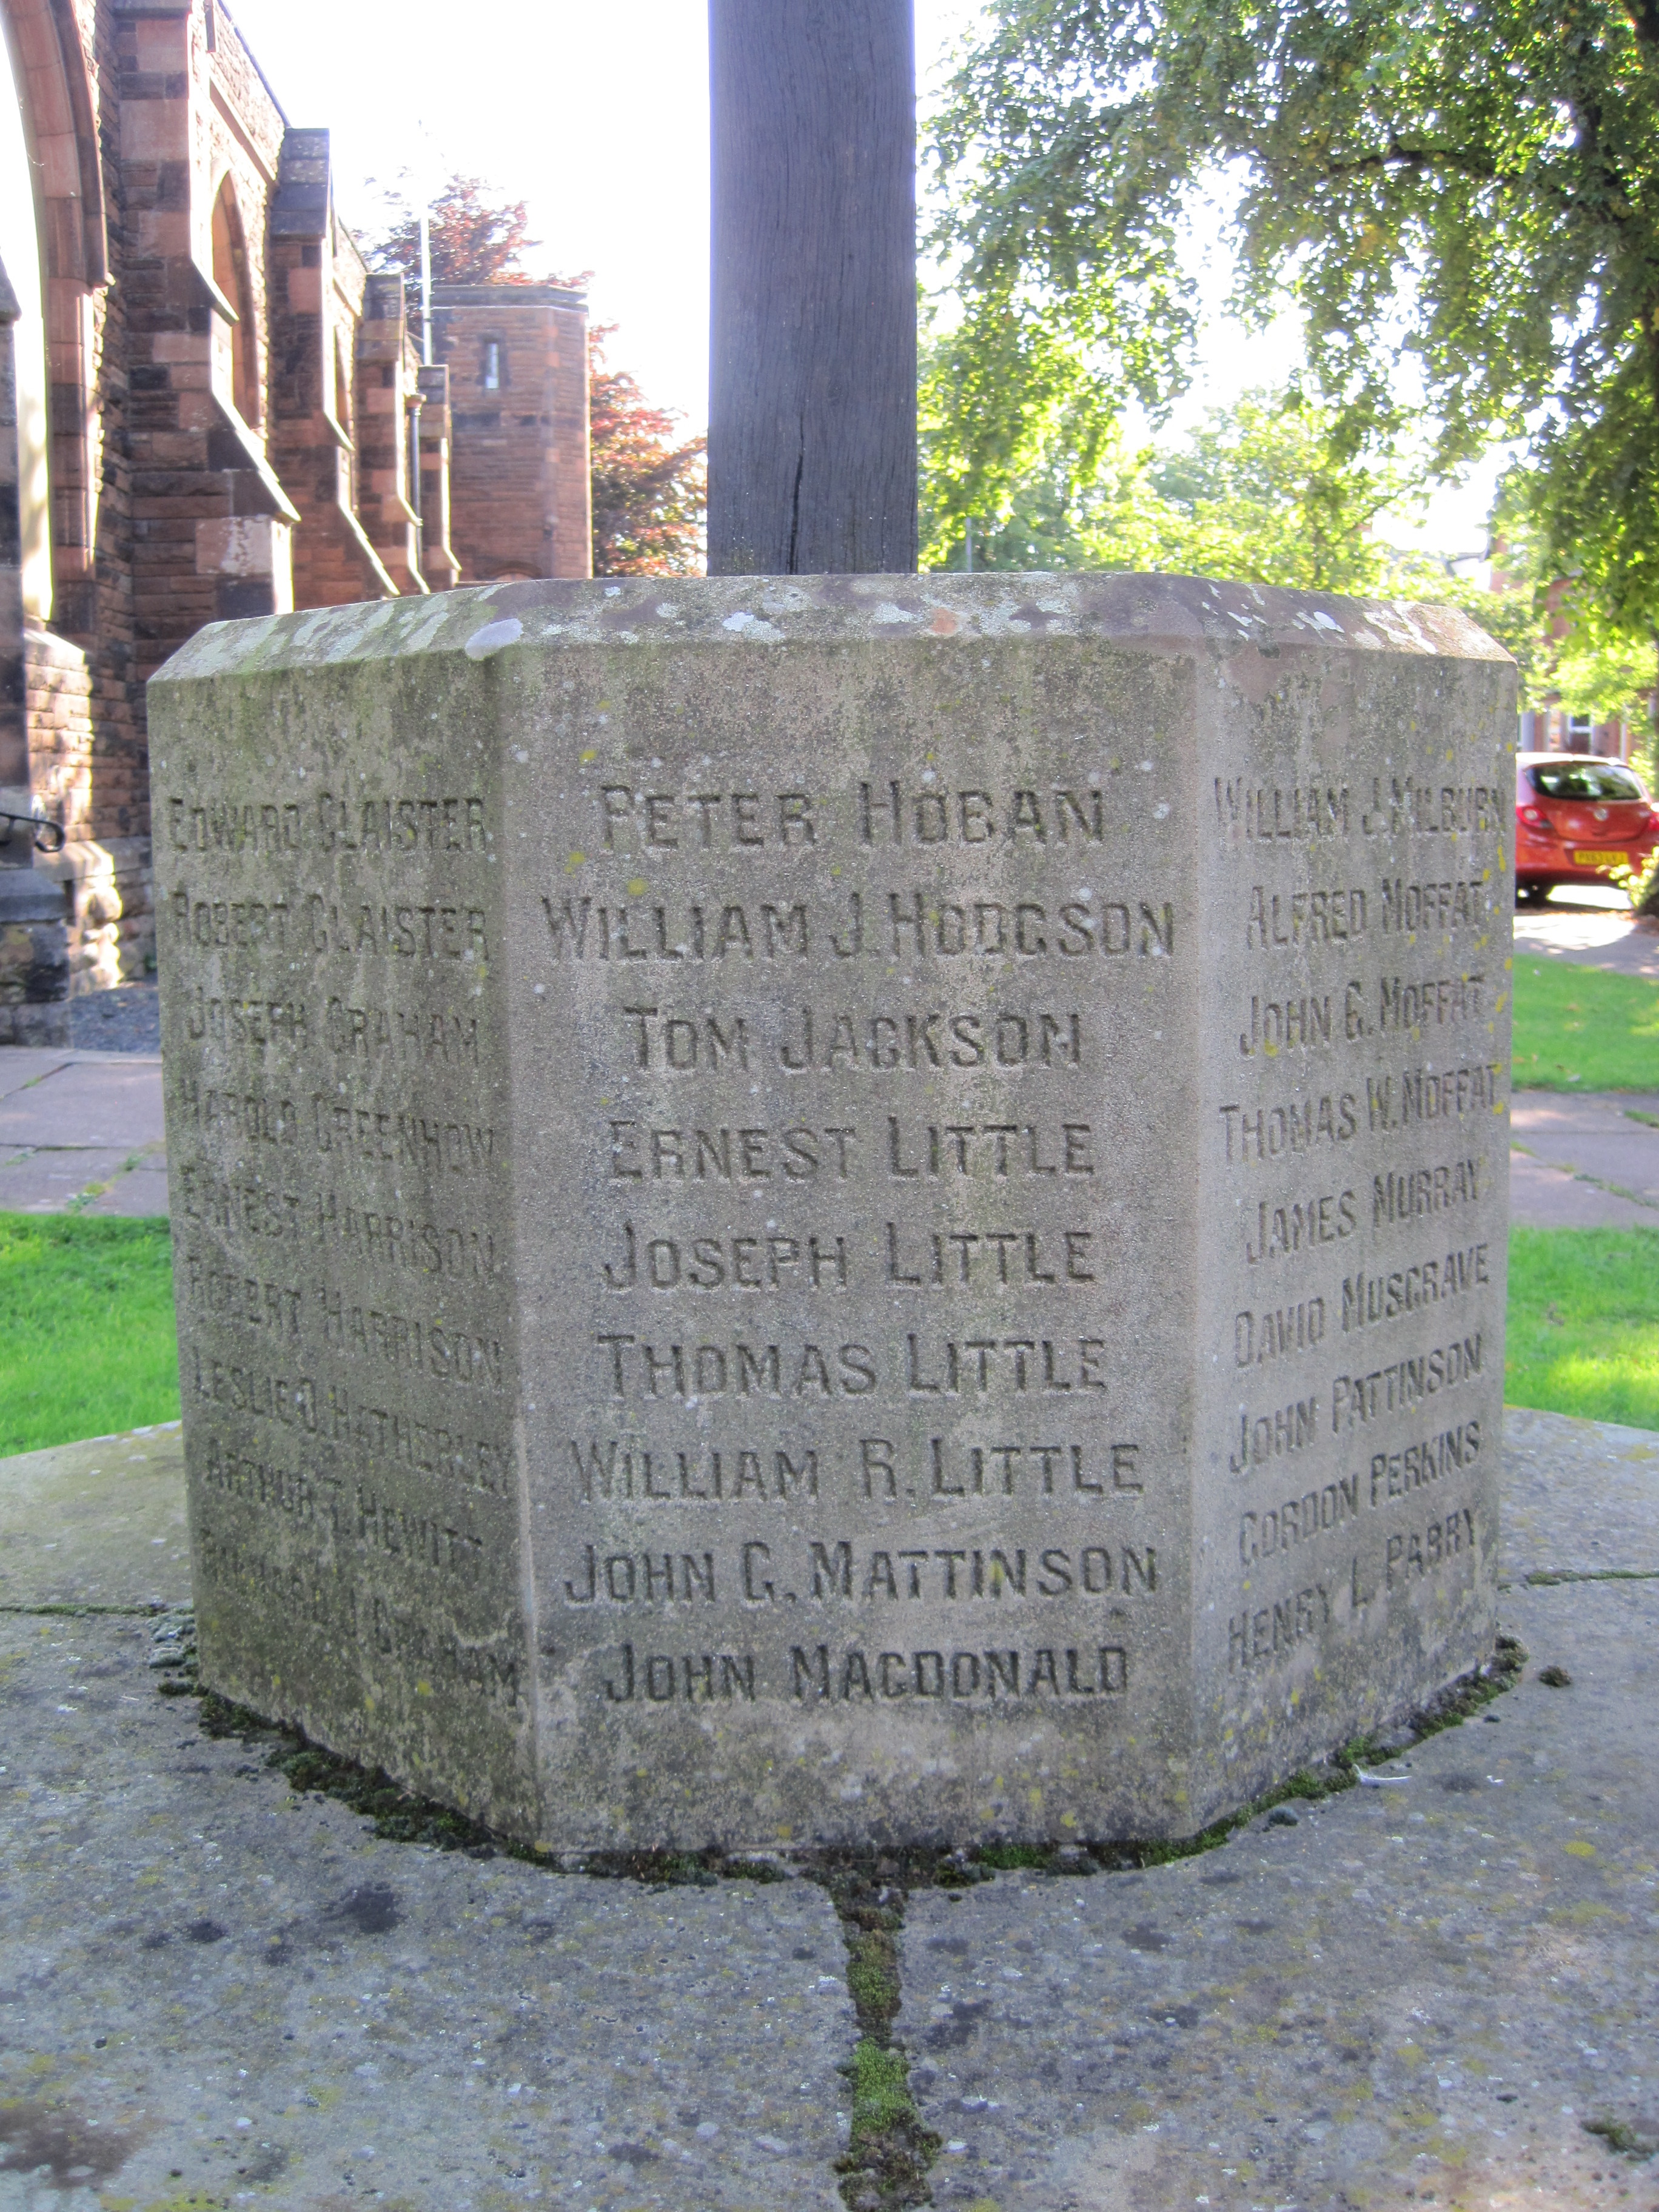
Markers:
230,276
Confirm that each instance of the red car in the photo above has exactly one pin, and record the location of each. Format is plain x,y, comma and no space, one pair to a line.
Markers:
1577,817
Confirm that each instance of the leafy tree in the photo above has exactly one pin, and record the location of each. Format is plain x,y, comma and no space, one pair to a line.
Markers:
649,494
473,238
1044,508
1261,495
1254,494
1570,653
1575,653
1473,184
982,456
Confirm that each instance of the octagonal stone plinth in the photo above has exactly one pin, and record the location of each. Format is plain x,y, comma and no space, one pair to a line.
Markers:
839,1209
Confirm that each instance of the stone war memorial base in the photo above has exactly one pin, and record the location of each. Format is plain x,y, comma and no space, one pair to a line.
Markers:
1435,1989
839,1209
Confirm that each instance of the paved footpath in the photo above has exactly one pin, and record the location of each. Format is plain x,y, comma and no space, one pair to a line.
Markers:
1584,1159
82,1130
1581,1160
1589,929
1443,1989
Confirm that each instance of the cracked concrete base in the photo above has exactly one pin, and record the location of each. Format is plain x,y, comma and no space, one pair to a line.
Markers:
212,1992
215,1993
1419,1992
1422,1992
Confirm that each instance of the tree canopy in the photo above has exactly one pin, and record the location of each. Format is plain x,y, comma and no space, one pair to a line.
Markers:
1472,184
648,487
473,236
1253,493
1256,493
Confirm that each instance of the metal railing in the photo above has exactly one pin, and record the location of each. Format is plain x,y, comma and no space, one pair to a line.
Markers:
46,836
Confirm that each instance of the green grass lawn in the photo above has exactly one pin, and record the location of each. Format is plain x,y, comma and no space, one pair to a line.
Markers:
86,1319
1582,1029
86,1315
1583,1323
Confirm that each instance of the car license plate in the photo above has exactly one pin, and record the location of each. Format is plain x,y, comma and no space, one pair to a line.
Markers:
1600,860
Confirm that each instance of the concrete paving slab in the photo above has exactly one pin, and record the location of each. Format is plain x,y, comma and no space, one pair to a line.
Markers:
215,1992
71,1121
1600,1135
22,1065
97,1524
110,1099
1579,1497
45,1181
140,1194
1543,1197
1427,1991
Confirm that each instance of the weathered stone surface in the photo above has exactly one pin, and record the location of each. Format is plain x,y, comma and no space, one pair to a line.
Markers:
213,1991
99,1524
1434,1987
1580,1497
1413,2021
839,1209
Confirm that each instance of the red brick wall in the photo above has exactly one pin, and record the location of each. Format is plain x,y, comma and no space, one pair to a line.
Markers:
520,501
317,282
183,493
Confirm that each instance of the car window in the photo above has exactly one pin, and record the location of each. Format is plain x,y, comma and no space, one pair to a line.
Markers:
1583,779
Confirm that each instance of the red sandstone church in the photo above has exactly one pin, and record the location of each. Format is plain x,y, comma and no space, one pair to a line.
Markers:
219,410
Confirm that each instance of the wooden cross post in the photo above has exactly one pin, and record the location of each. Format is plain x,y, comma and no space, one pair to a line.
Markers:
812,398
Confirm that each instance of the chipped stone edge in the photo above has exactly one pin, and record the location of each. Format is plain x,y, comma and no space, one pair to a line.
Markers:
742,613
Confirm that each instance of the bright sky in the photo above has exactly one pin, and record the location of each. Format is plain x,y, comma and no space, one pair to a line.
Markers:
598,118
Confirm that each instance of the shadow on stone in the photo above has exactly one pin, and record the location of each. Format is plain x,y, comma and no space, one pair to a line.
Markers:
59,2147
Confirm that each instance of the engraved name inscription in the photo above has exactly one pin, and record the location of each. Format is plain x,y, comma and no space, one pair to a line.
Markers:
370,826
1391,806
1302,1125
913,923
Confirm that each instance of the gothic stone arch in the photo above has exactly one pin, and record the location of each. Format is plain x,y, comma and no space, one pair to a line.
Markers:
60,128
